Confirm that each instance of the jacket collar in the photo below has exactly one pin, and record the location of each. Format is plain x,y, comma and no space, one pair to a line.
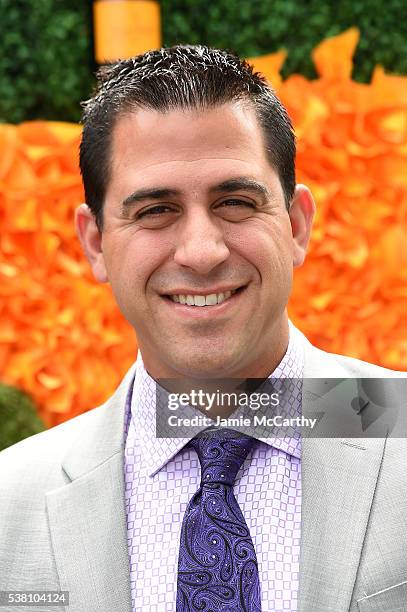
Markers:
88,524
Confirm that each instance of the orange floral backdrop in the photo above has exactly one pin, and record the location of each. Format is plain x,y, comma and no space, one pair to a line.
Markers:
62,338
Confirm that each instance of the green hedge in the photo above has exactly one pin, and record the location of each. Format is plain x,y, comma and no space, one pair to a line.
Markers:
254,27
46,57
18,417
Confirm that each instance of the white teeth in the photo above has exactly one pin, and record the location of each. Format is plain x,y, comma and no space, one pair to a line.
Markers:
211,299
202,300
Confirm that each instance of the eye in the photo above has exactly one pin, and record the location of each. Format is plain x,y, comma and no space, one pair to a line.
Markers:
156,217
154,211
235,210
235,202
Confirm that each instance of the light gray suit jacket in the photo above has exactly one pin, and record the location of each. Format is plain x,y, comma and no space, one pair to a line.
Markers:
63,523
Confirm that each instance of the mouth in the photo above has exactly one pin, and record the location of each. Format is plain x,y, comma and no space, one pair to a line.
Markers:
204,300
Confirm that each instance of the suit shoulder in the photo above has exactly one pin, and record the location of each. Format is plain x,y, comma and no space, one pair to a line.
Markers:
366,368
42,453
321,363
54,457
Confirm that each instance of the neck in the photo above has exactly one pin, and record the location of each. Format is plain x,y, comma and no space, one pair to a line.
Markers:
204,390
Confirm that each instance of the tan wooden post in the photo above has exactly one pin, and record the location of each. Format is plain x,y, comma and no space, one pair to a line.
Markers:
123,28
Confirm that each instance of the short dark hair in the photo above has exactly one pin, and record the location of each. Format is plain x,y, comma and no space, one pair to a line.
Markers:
179,77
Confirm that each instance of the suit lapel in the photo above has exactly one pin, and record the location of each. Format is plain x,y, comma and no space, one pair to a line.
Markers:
338,480
87,518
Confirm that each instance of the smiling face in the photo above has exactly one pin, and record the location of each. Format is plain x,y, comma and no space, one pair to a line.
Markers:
195,213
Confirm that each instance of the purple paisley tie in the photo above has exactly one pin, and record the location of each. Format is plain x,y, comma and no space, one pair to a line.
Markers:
217,565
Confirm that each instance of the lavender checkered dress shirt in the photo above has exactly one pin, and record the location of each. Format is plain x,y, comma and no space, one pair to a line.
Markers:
161,476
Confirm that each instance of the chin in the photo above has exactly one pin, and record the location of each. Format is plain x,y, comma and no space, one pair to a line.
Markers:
204,365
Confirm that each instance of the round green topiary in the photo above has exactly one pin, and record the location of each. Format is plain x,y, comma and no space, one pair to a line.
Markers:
18,416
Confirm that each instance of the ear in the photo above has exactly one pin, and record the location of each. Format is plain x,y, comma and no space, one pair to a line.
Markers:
302,211
91,240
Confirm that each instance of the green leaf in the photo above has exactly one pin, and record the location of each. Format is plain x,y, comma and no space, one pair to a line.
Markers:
18,416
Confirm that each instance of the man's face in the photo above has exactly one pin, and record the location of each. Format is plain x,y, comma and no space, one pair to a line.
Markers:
194,212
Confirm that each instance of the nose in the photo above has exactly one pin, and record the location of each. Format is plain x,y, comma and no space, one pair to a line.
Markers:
200,243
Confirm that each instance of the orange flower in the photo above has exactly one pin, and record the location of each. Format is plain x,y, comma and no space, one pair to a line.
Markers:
60,330
62,338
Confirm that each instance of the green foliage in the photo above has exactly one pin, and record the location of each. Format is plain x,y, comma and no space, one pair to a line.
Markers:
46,59
256,27
18,417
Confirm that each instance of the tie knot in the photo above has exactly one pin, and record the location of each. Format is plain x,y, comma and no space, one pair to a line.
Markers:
221,454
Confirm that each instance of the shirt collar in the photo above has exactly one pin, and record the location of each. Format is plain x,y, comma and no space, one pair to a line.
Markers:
140,418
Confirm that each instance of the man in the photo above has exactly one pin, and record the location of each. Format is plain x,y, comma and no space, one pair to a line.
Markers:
194,218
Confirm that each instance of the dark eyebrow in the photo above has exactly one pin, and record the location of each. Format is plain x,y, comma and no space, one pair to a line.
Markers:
233,184
241,183
149,194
